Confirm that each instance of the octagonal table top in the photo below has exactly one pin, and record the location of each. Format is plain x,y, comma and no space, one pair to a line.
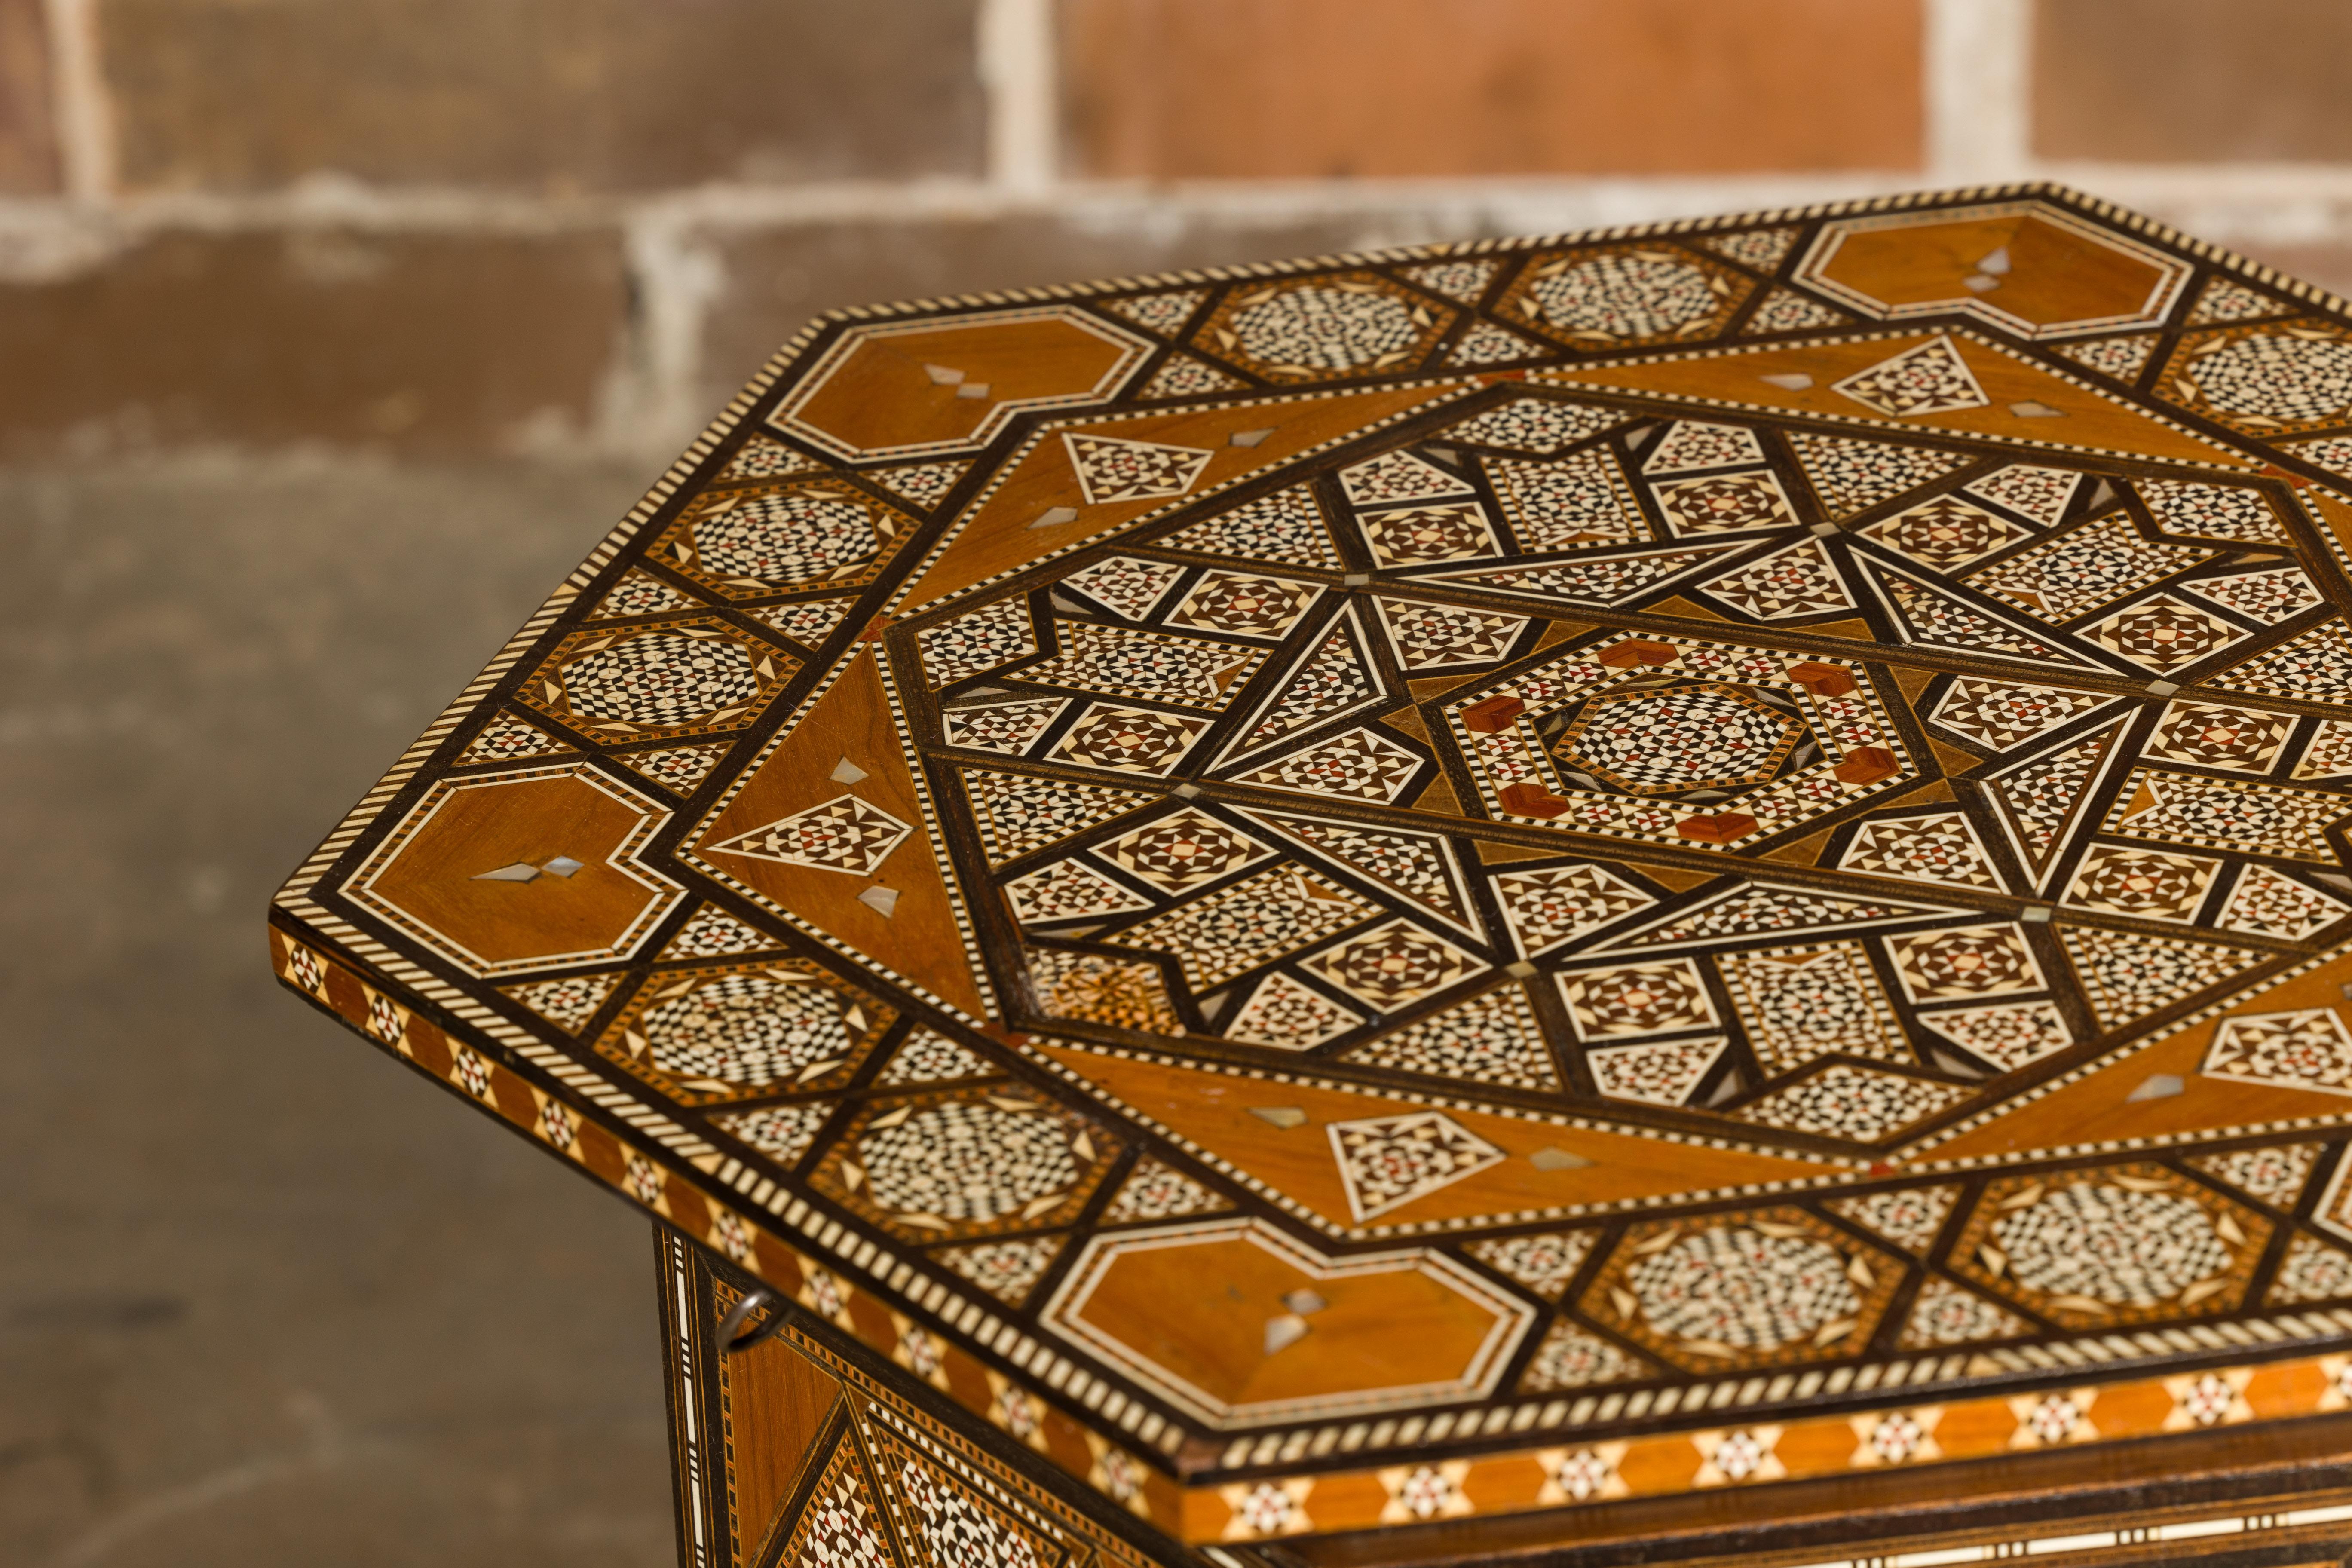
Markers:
1468,880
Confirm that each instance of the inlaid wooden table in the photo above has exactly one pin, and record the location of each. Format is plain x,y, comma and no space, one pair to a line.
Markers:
1666,895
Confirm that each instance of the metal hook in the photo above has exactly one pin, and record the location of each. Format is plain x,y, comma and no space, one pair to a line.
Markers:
731,1335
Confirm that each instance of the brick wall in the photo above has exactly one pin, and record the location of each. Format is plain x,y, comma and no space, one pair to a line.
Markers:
453,226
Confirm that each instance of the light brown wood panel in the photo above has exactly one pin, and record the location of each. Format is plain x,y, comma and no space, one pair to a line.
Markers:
885,395
437,877
918,937
2054,274
1201,1312
776,1402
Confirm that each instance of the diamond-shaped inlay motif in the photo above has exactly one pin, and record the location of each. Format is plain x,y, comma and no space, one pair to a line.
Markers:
1111,469
2007,1035
1394,964
1694,444
1244,604
1386,1162
1173,853
1409,536
1732,504
2165,633
844,834
2000,714
1931,378
1639,999
1945,531
1967,960
1129,739
1068,889
2308,1049
2234,739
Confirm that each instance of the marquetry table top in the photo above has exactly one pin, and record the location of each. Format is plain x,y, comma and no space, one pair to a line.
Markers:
1466,880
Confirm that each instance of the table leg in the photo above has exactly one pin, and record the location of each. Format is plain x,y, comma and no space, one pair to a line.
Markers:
805,1450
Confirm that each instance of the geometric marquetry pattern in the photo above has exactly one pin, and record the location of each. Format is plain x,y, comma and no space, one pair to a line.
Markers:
1753,868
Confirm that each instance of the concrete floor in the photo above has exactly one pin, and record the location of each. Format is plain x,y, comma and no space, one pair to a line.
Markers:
265,1297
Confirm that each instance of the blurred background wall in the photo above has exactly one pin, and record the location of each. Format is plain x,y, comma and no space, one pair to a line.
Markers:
494,226
333,332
